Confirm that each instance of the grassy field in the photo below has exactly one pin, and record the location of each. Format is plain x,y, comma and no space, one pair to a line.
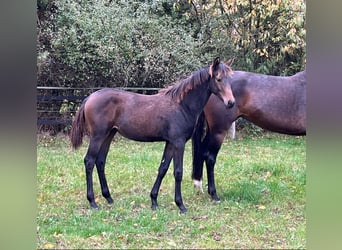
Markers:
260,180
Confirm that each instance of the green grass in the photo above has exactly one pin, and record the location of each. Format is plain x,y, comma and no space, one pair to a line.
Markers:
260,180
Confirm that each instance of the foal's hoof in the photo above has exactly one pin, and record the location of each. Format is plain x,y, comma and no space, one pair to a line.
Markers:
183,210
94,206
110,201
154,207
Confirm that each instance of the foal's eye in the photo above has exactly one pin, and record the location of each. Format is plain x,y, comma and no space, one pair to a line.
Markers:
219,80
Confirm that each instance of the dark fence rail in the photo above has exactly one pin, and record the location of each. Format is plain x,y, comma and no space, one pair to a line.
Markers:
56,106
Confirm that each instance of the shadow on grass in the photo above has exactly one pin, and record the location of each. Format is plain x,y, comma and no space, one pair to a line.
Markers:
244,192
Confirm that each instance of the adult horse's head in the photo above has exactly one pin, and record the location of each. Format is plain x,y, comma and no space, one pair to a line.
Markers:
220,79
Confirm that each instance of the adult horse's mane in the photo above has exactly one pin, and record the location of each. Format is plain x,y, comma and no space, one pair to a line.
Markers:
179,89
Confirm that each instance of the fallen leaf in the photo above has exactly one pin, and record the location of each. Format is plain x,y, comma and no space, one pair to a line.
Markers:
200,217
268,174
172,243
48,246
216,236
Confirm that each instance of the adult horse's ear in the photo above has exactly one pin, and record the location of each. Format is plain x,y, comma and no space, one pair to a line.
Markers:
214,65
230,62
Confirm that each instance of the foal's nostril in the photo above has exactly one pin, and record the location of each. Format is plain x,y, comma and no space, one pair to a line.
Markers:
230,104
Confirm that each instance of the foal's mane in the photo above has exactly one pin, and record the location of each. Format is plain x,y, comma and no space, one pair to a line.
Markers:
178,90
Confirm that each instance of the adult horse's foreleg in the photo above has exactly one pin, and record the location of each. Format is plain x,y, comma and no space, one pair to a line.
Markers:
100,165
178,175
210,155
163,167
197,152
89,162
197,163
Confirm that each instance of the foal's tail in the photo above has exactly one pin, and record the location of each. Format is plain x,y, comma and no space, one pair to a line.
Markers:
197,151
77,128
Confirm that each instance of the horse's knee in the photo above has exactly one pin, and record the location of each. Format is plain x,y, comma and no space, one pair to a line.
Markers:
100,163
178,174
89,161
210,159
153,194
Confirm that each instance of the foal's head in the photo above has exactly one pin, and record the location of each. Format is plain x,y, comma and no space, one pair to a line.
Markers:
220,79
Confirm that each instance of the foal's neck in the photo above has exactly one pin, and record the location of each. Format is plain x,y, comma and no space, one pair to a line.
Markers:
197,98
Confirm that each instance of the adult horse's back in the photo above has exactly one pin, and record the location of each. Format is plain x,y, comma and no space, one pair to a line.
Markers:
275,103
168,116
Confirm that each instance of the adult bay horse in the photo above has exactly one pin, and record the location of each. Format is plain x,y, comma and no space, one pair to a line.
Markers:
168,116
275,103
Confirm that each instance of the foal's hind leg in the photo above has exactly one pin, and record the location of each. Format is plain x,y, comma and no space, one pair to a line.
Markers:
100,165
164,166
89,162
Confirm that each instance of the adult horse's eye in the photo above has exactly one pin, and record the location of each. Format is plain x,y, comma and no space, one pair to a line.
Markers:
219,80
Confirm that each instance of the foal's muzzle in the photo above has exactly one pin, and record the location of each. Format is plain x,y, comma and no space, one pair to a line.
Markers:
230,104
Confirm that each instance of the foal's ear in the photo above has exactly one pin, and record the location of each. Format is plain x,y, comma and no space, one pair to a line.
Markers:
216,61
230,62
214,65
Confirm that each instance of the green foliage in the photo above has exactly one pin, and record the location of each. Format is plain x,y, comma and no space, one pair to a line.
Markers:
247,128
153,43
120,44
267,36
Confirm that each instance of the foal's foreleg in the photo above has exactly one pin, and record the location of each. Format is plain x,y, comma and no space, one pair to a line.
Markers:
178,174
164,166
100,165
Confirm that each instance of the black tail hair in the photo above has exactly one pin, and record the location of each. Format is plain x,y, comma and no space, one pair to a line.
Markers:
197,147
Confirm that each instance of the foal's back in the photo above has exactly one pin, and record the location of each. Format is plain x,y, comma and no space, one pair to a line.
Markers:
135,116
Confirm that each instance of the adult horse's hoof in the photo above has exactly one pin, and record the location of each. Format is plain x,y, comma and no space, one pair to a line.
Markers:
215,198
